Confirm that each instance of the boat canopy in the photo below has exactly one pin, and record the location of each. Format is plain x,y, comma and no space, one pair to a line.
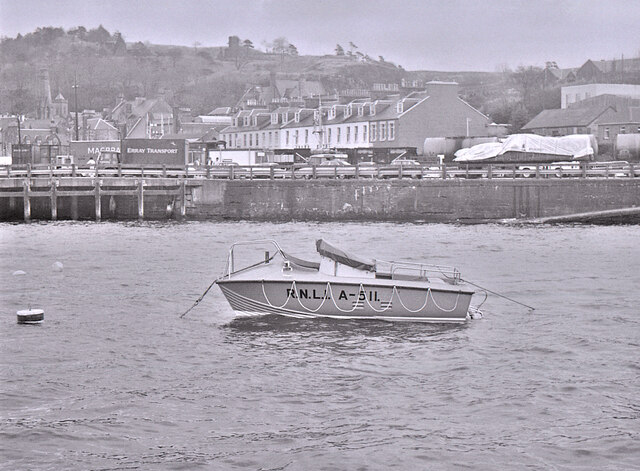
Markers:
361,263
300,262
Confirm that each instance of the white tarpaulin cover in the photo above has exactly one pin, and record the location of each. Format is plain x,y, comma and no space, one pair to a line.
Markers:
574,146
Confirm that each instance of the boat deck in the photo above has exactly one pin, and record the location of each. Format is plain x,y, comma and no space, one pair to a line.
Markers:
275,272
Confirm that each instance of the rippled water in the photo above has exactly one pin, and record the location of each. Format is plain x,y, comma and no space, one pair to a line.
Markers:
114,379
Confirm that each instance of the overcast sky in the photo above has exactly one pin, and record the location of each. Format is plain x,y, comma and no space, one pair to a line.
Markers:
446,35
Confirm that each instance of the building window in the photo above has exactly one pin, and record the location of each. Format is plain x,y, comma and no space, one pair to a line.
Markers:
295,138
245,121
399,107
383,131
374,132
274,118
606,133
245,140
348,137
338,135
623,129
364,133
276,142
264,139
306,136
250,140
286,138
360,110
392,130
355,134
329,136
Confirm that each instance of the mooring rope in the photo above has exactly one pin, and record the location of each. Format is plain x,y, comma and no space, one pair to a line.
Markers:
498,294
201,297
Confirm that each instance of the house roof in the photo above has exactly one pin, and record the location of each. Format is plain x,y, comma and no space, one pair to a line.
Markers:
99,123
142,107
298,88
569,117
621,115
220,111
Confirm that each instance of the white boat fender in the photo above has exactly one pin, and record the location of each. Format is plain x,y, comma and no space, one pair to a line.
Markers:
19,273
30,316
475,313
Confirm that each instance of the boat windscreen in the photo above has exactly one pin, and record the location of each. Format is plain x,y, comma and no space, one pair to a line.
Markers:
361,263
302,263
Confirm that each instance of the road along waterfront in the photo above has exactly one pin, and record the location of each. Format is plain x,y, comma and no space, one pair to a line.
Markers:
115,379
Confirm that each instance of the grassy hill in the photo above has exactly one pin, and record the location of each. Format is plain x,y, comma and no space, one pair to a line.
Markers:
202,78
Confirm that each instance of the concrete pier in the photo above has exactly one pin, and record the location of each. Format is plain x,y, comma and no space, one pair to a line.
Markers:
82,198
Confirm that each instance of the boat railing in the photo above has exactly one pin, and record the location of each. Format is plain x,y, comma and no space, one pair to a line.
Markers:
419,270
230,268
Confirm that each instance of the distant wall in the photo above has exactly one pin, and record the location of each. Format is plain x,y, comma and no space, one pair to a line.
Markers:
409,200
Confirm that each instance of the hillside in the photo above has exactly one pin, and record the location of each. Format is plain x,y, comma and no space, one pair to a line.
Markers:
106,67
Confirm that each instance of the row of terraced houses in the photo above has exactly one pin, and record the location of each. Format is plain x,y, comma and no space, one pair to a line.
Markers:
383,124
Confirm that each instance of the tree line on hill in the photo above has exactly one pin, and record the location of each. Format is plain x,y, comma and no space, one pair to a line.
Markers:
105,67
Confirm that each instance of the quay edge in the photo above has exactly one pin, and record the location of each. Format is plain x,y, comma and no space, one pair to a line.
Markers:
441,201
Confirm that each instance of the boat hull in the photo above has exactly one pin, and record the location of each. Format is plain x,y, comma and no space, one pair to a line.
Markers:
308,299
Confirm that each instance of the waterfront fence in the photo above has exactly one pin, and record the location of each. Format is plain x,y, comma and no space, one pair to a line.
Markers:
619,169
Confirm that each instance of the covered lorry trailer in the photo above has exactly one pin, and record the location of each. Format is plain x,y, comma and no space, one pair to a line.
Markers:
169,152
104,152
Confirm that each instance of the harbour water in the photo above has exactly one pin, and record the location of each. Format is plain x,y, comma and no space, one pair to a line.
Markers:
114,379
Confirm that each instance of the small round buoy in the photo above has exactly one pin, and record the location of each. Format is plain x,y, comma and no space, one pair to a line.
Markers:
30,316
57,266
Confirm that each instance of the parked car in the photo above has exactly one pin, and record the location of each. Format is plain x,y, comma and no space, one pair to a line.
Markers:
266,170
367,169
614,168
229,170
402,168
336,168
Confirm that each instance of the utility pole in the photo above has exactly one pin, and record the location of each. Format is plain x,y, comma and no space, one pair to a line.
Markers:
75,93
19,134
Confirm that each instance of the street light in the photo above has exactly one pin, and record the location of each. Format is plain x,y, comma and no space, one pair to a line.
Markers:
75,93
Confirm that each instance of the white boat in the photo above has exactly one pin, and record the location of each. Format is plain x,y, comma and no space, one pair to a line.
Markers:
344,286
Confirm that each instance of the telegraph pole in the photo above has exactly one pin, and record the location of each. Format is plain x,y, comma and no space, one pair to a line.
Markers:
75,93
19,135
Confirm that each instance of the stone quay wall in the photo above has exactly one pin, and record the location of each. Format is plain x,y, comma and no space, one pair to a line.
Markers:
409,200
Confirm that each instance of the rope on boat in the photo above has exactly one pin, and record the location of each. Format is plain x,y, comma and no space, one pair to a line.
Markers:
394,292
218,279
498,294
200,298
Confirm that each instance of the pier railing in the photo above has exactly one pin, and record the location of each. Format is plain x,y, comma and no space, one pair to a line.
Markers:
620,169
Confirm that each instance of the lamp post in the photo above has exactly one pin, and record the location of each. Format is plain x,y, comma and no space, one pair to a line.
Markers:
75,94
